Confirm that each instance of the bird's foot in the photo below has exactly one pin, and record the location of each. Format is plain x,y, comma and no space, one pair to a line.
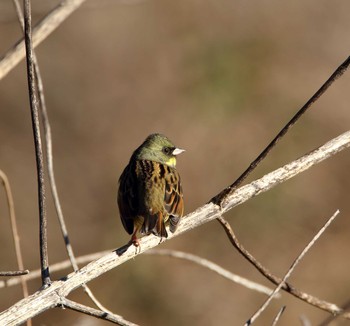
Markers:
136,243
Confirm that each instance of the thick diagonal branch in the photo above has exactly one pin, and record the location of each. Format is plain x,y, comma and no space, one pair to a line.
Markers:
51,296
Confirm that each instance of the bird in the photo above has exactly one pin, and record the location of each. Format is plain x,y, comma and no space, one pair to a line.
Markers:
150,193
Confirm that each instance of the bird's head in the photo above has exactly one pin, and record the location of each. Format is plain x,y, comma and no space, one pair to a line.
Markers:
158,148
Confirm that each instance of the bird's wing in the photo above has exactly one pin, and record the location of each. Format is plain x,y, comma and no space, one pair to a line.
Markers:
173,198
151,192
127,200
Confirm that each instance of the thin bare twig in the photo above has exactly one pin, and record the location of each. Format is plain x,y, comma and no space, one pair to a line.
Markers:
119,320
218,199
324,305
172,253
15,273
55,267
43,29
291,169
278,316
291,269
15,234
213,267
45,273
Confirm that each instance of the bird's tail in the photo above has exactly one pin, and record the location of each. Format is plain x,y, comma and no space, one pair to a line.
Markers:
160,227
154,224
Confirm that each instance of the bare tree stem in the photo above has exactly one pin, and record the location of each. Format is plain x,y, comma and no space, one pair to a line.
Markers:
66,303
330,307
45,274
291,269
15,235
49,162
160,252
213,267
278,316
14,273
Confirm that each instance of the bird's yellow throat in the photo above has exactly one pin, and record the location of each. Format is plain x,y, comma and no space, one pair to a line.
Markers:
171,162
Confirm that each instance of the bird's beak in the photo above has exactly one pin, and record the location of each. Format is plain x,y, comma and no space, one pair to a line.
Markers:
178,151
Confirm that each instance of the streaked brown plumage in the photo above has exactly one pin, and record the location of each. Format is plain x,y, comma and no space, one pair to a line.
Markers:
150,192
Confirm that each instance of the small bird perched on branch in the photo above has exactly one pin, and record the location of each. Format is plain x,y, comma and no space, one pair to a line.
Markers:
150,193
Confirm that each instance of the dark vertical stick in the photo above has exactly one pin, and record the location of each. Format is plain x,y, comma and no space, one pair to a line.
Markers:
49,162
45,274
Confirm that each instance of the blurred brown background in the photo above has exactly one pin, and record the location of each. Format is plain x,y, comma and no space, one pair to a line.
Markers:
219,78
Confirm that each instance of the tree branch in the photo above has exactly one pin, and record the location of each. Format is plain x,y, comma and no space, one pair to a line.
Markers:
15,235
43,29
14,273
330,318
161,252
290,170
291,269
45,274
278,316
16,239
49,162
66,303
230,189
34,274
330,307
213,267
52,296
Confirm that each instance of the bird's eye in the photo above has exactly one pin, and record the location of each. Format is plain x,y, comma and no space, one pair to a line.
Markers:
167,150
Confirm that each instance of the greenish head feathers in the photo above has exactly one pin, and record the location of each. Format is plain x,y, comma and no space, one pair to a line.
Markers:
158,148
